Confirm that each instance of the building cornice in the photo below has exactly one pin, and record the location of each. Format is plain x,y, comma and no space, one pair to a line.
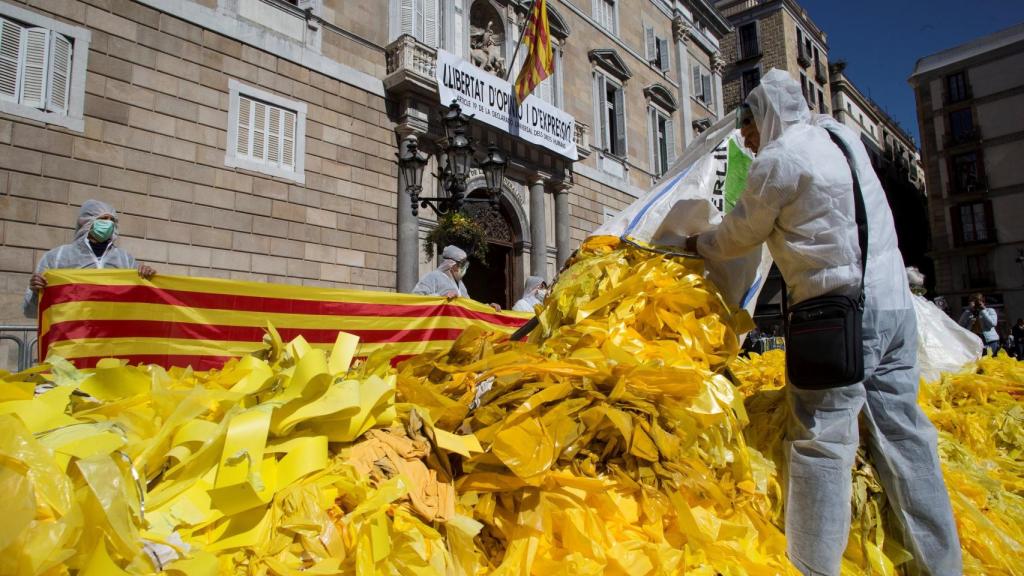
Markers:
717,22
618,41
762,7
844,85
262,39
968,51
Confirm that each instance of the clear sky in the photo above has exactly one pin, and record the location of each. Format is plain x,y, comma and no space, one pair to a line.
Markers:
881,41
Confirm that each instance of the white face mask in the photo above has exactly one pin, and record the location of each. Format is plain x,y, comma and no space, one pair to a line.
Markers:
542,294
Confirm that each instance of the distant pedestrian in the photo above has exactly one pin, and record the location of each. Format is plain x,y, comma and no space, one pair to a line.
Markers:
981,320
1017,332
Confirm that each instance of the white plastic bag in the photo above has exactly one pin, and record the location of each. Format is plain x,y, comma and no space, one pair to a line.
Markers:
700,188
942,344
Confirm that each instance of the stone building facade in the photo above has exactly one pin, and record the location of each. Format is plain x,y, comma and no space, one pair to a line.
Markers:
640,80
896,161
773,34
155,90
972,139
257,139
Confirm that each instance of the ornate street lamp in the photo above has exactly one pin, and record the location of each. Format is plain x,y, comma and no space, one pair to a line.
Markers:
494,172
458,159
411,163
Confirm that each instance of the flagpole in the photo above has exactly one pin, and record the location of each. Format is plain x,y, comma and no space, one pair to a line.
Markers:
508,72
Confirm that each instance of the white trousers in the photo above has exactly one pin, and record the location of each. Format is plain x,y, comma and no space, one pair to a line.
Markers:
823,441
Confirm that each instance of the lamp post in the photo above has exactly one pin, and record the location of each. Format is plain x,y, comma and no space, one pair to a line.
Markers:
1020,260
458,158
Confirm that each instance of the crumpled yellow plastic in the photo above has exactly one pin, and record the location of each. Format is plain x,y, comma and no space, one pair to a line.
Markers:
978,412
612,442
625,437
244,468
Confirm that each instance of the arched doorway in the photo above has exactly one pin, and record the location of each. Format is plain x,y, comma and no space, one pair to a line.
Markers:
498,278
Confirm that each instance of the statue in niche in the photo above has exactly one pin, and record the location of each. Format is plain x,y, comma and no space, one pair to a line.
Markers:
486,45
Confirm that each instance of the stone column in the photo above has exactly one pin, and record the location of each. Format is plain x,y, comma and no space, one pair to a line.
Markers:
681,35
562,239
408,268
538,228
717,67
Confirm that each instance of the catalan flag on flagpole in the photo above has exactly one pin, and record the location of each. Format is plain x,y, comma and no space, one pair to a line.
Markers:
540,59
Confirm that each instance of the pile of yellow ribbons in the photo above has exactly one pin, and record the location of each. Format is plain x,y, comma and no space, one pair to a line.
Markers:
243,470
625,437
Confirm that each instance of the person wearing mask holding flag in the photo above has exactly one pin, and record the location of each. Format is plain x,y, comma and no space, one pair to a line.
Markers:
446,280
94,246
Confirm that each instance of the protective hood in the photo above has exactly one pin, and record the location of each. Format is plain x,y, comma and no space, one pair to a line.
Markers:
90,211
777,105
450,257
532,284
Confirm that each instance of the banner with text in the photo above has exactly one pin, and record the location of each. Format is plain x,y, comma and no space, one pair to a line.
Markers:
492,100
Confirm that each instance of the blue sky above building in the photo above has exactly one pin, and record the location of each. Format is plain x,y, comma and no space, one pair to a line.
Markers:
881,41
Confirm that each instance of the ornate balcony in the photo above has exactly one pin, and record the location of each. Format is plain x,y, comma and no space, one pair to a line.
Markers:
412,81
820,72
803,56
410,66
970,136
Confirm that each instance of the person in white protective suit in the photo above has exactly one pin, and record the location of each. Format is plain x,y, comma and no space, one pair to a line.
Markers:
94,246
533,295
446,279
799,199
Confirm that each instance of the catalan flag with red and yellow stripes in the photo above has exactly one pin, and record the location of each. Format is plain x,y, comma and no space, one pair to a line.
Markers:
540,59
88,315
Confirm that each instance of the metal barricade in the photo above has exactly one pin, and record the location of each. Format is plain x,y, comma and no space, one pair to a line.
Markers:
25,339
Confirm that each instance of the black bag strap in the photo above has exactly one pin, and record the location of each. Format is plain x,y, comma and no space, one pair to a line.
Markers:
860,211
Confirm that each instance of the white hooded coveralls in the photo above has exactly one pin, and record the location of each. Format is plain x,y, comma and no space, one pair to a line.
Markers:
530,296
78,253
440,282
799,200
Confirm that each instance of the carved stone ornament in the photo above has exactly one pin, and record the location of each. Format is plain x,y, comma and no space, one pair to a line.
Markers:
681,29
487,38
496,226
717,63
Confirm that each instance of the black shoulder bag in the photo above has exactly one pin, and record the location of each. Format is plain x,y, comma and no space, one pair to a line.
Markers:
824,347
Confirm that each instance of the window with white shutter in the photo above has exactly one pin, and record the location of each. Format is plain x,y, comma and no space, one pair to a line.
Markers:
60,74
663,142
650,45
610,111
606,15
618,144
10,60
656,49
420,19
34,56
703,89
42,67
266,132
550,90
